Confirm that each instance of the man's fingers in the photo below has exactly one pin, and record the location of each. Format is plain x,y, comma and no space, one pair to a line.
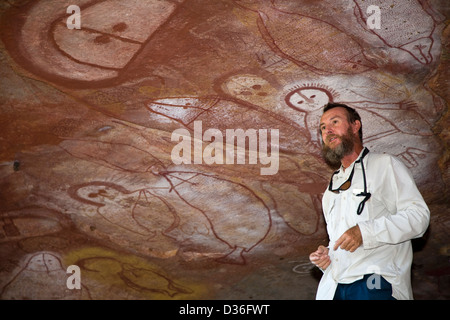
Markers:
322,250
354,247
350,240
345,243
313,257
324,263
339,242
320,257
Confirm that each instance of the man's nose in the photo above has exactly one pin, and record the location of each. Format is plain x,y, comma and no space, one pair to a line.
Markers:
327,130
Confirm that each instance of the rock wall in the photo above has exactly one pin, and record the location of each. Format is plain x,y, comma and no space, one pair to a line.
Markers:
169,149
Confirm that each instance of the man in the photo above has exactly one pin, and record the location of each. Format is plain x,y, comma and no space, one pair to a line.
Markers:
372,209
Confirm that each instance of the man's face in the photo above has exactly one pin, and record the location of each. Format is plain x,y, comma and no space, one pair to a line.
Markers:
333,125
338,136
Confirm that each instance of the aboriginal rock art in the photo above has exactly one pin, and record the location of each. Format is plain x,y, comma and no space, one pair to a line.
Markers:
112,33
176,207
143,279
278,28
178,199
129,210
413,32
41,277
88,118
30,222
251,88
386,119
215,113
182,217
309,100
9,228
230,214
305,103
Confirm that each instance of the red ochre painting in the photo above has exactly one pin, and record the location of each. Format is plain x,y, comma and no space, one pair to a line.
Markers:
120,147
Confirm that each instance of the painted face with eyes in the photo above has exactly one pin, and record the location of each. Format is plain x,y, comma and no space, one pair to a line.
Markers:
44,262
307,99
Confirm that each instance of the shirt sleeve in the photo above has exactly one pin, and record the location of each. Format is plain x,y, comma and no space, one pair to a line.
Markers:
411,217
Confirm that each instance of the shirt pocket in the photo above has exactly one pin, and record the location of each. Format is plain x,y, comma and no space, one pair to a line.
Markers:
378,208
356,202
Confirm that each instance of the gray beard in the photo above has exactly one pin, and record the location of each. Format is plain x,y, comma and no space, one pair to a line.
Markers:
333,157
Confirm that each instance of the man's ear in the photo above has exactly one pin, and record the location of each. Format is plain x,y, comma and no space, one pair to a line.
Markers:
356,126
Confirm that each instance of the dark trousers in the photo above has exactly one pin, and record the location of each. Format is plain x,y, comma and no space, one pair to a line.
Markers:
371,287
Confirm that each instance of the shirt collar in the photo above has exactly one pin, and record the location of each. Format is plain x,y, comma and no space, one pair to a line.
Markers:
343,173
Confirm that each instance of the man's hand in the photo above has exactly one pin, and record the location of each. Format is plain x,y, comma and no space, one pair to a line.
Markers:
320,257
350,240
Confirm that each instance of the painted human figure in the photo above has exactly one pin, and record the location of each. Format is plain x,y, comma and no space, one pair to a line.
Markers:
386,119
412,33
42,277
287,33
111,34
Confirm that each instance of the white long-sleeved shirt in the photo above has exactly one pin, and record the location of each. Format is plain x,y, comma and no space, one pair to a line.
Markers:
395,214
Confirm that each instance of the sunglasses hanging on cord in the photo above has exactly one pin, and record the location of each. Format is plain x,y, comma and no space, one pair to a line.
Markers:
347,184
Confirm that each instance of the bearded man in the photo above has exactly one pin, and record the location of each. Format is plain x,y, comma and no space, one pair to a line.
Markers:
372,209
